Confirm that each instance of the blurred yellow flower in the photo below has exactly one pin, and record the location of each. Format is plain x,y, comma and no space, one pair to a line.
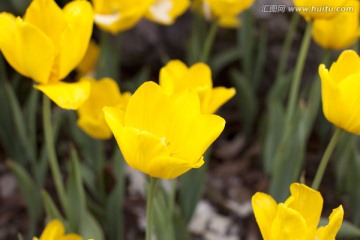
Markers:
118,15
226,11
313,9
176,77
340,89
55,230
340,31
297,218
48,43
104,92
166,11
87,64
163,136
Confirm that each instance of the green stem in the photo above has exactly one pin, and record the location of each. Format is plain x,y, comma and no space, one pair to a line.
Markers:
287,45
294,92
49,142
109,59
325,159
149,208
209,42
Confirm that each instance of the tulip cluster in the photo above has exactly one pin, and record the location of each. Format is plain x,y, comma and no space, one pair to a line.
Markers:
164,129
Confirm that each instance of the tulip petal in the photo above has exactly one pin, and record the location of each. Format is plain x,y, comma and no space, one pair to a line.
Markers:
104,92
288,224
347,64
264,207
53,230
329,231
172,73
66,95
123,16
229,7
148,108
344,26
219,96
348,116
94,127
198,76
307,202
48,17
166,11
27,49
76,37
114,117
149,154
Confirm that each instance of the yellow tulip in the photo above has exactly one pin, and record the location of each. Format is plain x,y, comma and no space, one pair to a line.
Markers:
163,136
55,230
118,15
313,9
48,43
104,92
176,77
226,11
166,11
297,218
340,87
340,31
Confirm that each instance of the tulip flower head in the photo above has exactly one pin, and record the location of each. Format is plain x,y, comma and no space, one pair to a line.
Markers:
297,218
340,31
55,230
340,87
117,15
163,136
104,92
315,9
176,77
166,11
226,11
47,44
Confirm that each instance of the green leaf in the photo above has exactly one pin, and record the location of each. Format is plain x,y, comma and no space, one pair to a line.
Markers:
274,131
162,216
191,188
115,201
223,59
90,228
246,98
50,207
30,193
19,121
75,193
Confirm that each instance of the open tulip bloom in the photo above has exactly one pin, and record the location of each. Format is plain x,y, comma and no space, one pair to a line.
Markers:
163,136
340,31
297,218
340,87
47,44
55,230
